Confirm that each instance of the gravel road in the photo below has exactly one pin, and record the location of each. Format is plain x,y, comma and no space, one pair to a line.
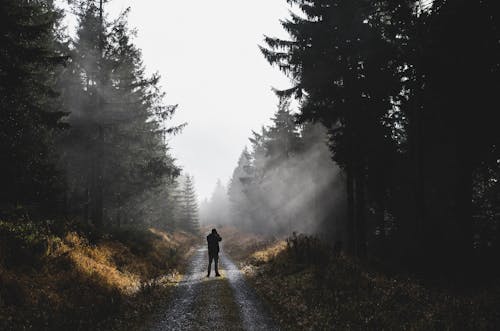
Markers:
215,303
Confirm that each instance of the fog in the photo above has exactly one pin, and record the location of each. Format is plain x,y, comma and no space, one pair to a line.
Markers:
208,57
302,192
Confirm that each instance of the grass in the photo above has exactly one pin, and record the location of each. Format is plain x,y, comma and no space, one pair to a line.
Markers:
239,245
309,287
66,281
216,306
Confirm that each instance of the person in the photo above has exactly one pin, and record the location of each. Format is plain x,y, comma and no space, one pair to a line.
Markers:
213,252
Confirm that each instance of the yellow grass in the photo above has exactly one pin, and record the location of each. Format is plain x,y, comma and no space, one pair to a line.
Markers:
268,253
73,269
96,262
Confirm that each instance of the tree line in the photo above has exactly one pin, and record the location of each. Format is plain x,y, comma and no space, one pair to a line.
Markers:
84,129
287,182
404,93
407,91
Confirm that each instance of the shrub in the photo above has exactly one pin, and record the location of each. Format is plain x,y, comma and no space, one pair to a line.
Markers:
307,250
22,243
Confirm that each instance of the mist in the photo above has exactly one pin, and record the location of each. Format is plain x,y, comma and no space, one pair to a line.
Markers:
114,156
286,182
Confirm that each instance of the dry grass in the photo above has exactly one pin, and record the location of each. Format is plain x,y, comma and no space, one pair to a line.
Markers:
268,253
341,293
97,262
240,245
71,283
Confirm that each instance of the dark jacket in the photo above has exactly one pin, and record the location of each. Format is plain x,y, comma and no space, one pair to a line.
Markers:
213,242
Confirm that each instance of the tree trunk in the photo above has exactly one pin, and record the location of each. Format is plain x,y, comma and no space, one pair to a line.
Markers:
360,215
351,230
99,197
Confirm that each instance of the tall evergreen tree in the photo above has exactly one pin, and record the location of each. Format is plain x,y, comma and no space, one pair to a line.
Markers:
391,80
287,181
189,207
116,149
343,68
29,104
237,190
282,137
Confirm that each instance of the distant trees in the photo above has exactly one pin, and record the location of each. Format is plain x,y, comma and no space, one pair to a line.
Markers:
189,207
287,181
243,173
394,83
215,211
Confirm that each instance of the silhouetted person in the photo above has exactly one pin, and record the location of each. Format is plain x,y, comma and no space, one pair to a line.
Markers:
213,251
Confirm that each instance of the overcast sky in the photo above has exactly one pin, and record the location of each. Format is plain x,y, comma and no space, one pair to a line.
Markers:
207,55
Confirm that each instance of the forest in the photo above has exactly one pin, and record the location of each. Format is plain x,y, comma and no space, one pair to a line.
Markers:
369,200
84,129
413,175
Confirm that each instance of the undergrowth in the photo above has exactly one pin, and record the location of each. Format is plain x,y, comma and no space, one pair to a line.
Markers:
61,278
310,286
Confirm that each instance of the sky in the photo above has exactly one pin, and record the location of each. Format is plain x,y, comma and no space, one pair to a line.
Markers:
207,54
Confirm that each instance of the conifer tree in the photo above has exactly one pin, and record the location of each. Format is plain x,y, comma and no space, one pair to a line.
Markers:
116,149
282,138
336,60
287,181
29,104
391,81
237,190
189,207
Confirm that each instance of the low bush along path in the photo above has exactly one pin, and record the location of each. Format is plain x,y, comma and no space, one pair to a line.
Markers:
215,303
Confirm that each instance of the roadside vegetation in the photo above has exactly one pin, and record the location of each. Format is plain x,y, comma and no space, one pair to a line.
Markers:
69,278
310,286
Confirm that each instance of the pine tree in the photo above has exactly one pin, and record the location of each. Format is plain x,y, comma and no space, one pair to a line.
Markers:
287,181
336,59
29,104
173,204
282,138
239,205
189,207
259,151
116,149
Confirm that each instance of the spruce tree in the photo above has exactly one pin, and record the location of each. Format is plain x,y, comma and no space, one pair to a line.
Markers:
282,138
336,60
116,149
239,205
29,105
189,207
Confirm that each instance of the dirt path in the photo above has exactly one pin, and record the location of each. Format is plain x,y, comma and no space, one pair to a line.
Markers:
223,303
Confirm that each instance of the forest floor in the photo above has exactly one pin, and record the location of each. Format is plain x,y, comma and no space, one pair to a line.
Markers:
309,287
53,279
132,280
215,303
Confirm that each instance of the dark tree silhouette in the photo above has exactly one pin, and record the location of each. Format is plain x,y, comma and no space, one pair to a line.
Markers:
395,83
31,112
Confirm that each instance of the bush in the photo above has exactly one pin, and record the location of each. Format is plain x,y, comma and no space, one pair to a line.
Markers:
307,250
23,242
